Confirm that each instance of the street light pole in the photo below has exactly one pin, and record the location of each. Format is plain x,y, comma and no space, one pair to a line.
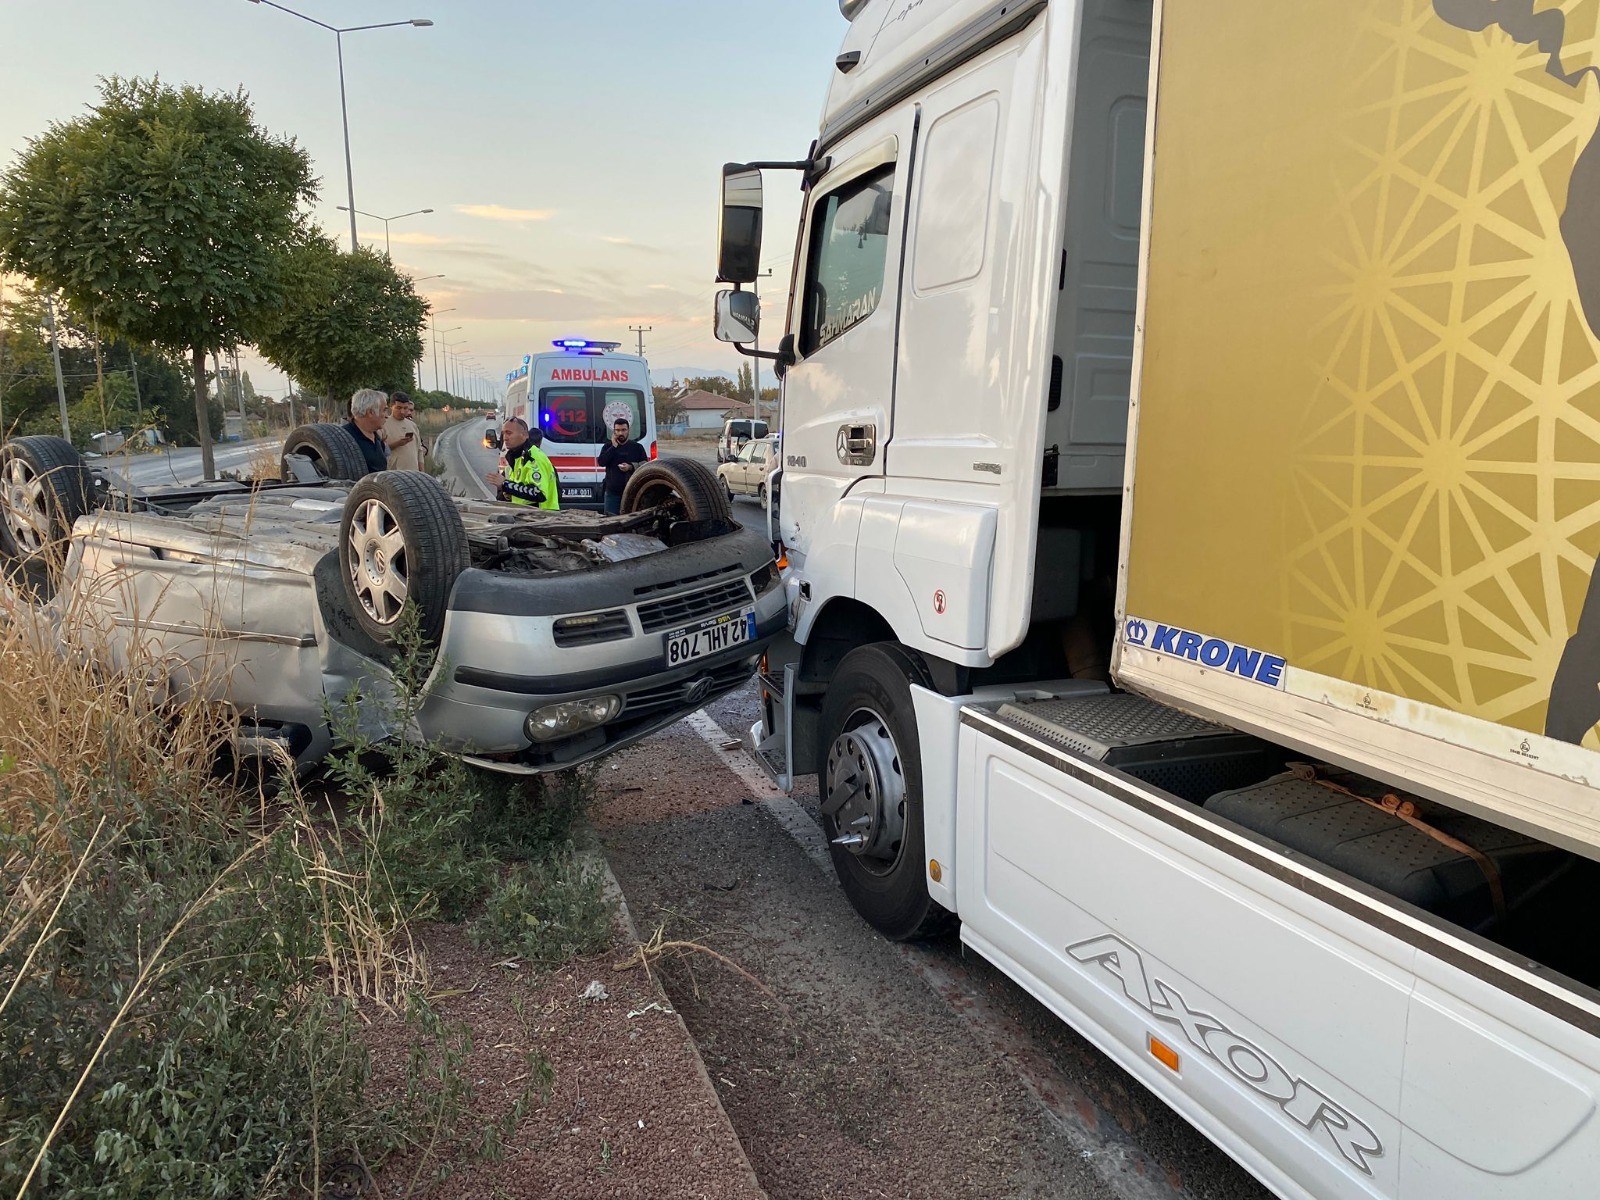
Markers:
344,115
433,324
344,111
414,213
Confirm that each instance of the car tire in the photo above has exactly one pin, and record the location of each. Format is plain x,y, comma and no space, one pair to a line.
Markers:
868,729
401,541
761,493
683,486
44,488
330,448
728,489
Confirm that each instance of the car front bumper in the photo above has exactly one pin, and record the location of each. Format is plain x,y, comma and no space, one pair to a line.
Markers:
503,655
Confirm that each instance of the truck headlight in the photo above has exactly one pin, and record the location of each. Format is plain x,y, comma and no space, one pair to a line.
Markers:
569,717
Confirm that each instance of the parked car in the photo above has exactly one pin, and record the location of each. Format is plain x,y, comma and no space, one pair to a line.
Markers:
736,434
747,474
557,636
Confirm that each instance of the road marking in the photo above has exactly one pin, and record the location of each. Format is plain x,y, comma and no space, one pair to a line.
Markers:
1124,1166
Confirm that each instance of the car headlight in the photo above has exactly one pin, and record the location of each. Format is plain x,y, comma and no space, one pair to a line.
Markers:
555,721
764,580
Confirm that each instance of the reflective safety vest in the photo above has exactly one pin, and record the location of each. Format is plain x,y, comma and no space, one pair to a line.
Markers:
533,466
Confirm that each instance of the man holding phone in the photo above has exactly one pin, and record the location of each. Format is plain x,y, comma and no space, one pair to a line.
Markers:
619,456
401,435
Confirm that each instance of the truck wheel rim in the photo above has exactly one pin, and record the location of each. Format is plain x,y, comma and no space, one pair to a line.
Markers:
378,565
865,800
25,516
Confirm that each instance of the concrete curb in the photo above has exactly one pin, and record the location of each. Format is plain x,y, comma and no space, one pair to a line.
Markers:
613,889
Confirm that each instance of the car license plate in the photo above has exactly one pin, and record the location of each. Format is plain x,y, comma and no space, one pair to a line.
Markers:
710,637
577,493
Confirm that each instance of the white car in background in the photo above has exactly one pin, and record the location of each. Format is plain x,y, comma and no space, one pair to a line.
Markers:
747,474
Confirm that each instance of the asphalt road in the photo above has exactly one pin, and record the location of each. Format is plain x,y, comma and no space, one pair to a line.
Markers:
179,464
467,460
850,1066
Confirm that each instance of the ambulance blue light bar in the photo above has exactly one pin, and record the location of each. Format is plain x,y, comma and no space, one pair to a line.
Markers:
584,345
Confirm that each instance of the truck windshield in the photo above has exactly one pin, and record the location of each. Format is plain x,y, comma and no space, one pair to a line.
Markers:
583,415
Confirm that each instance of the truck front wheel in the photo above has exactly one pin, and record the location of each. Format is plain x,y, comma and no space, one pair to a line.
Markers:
870,790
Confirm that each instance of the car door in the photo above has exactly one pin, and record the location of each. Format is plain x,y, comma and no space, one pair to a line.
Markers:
757,467
738,472
838,394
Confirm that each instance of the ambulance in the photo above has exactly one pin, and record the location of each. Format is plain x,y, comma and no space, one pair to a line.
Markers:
573,393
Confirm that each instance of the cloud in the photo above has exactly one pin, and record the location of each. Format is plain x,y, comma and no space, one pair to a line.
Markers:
406,237
498,212
630,244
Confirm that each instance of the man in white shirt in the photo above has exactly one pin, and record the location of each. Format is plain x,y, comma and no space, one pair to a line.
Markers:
401,435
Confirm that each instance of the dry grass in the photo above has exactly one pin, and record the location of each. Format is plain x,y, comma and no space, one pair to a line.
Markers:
75,731
266,462
64,721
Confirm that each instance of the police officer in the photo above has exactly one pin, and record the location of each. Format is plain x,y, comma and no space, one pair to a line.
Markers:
529,477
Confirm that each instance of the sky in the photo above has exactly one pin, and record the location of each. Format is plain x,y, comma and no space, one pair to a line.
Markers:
571,151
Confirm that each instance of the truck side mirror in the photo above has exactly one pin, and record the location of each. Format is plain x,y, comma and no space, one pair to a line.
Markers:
739,233
738,317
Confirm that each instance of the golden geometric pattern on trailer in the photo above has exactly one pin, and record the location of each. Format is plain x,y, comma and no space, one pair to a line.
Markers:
1446,510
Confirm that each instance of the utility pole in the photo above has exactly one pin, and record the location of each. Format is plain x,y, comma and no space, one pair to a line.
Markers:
755,363
238,392
100,378
138,404
641,330
55,353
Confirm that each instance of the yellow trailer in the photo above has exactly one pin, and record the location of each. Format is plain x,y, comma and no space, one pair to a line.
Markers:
1364,468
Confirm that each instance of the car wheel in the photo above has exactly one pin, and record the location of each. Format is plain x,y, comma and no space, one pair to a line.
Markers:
330,448
686,488
871,790
44,488
761,493
401,542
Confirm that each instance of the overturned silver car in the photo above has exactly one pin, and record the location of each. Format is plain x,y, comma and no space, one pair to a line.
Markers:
558,636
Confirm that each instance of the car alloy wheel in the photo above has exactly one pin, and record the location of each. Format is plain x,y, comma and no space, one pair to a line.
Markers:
378,566
27,519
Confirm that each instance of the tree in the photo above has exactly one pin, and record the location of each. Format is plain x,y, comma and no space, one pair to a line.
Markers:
669,405
354,322
746,386
715,384
167,214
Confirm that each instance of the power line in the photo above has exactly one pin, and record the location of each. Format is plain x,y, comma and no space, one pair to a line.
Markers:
641,330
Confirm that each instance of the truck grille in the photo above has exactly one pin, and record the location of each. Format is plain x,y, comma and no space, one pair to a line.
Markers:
611,626
664,614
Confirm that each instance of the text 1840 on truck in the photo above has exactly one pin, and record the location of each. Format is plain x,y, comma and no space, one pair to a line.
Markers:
1191,500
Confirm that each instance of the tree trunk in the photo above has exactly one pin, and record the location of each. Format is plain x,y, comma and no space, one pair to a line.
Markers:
202,419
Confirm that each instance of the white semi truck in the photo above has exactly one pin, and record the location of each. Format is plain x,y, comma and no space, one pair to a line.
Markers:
1190,493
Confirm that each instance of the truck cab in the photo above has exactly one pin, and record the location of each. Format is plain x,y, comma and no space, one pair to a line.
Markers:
1101,644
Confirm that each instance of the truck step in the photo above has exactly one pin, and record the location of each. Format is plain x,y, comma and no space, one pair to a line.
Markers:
1185,755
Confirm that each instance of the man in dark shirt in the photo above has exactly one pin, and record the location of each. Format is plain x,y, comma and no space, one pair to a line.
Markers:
619,456
368,412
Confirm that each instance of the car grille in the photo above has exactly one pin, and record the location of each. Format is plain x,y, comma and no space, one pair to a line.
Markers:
664,614
609,626
642,703
669,584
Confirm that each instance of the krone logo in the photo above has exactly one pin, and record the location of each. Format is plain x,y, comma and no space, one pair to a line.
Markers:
1138,633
